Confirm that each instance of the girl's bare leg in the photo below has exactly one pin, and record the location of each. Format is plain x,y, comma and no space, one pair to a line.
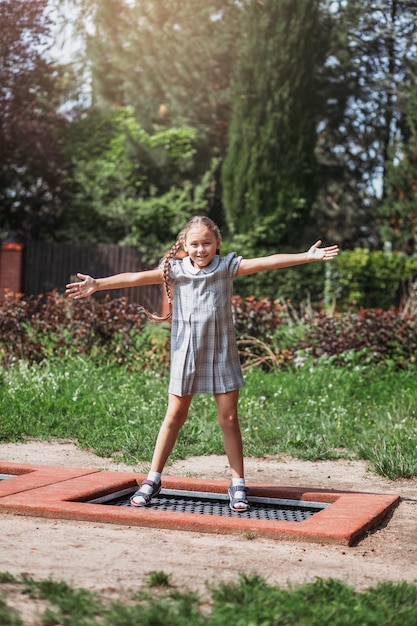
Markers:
175,417
227,416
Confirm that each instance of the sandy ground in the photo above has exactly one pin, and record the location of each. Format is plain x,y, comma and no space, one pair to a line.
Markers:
111,558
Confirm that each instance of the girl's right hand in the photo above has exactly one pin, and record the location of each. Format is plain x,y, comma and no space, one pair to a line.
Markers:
86,287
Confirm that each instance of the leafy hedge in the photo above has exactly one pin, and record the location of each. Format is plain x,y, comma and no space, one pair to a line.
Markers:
355,279
366,279
272,335
269,333
365,336
37,328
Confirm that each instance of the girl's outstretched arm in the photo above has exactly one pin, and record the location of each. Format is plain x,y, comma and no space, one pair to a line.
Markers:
89,285
275,261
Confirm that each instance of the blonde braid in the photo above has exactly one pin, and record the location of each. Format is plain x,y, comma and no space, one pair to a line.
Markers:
171,254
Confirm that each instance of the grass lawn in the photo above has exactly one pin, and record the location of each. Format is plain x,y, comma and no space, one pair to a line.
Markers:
248,602
312,412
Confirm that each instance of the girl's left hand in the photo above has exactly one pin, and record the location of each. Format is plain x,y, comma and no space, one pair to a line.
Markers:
322,254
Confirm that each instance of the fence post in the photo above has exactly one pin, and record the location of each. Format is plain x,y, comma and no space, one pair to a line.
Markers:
11,264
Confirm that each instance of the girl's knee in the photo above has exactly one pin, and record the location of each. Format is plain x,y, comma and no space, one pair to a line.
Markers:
229,422
177,411
175,419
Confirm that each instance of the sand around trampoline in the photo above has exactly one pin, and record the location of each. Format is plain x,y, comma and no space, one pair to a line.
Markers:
114,557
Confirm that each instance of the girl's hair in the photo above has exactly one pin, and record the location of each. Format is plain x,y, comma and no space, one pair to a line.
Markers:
197,221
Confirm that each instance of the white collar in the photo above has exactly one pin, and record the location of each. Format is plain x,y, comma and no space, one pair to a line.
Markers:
206,270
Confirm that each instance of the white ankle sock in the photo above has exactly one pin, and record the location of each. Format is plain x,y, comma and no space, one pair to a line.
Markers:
155,477
238,482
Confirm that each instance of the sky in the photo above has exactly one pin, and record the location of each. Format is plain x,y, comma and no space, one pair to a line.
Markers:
65,45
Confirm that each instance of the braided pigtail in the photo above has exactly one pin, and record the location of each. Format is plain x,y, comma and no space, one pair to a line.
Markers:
171,254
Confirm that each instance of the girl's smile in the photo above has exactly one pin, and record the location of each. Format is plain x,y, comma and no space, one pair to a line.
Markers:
201,245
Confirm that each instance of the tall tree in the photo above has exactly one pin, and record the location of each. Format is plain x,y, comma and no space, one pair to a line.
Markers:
166,57
118,194
366,78
172,60
398,214
30,156
269,174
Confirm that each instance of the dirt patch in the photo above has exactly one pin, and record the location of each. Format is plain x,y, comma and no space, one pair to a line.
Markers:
112,557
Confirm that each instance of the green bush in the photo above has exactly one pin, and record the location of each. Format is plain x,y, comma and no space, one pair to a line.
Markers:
355,279
367,336
35,329
269,333
293,284
361,278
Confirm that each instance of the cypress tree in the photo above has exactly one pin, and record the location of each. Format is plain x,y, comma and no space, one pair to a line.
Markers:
269,173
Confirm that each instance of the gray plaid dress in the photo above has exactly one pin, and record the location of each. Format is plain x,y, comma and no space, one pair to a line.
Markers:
204,353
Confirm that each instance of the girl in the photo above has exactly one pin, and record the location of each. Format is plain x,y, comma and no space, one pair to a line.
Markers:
204,353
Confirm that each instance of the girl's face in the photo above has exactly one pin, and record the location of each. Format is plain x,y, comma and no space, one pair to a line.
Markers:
201,245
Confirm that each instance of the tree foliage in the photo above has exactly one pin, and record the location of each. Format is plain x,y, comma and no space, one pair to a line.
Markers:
30,124
175,62
269,174
309,103
171,64
172,60
128,186
398,215
365,78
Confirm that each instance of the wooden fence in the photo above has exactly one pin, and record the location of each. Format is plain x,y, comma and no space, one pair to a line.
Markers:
50,266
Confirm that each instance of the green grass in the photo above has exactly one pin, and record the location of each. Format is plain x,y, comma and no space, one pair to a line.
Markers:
313,412
249,601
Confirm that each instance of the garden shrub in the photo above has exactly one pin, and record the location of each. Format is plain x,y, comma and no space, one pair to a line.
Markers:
371,335
294,284
269,333
257,318
367,279
36,328
358,278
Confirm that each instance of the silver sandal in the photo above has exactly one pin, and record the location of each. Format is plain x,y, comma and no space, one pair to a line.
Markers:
238,498
156,488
